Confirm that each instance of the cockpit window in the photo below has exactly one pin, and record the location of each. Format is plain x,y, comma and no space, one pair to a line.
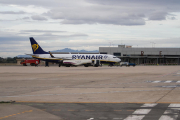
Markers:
114,57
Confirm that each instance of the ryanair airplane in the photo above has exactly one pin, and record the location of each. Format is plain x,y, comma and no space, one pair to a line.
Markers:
71,59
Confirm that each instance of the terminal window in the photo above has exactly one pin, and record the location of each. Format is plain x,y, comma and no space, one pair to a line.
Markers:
103,52
117,54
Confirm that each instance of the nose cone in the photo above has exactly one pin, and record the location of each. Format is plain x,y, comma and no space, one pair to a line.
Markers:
118,60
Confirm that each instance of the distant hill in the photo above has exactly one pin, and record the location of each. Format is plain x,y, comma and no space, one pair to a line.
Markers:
24,56
71,50
63,50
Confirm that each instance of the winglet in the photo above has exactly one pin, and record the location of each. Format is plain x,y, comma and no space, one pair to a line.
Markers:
51,54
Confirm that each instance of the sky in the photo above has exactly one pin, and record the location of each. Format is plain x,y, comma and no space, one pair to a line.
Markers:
87,24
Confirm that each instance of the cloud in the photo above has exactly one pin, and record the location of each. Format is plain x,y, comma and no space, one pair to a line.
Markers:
12,39
104,19
26,18
116,12
42,31
53,36
95,15
135,3
173,18
12,12
158,16
82,23
42,3
6,20
39,18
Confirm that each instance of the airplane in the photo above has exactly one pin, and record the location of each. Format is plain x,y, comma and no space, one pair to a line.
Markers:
71,59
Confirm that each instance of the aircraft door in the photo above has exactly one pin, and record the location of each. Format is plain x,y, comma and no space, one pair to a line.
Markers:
108,58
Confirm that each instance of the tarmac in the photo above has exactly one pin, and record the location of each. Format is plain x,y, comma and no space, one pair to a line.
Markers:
36,88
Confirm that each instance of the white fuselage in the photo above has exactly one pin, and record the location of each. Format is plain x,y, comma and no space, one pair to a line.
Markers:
101,57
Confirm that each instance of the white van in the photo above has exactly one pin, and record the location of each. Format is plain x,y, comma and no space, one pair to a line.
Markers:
124,64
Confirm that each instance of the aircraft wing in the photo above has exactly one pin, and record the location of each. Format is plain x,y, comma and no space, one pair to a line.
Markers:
64,58
32,55
52,57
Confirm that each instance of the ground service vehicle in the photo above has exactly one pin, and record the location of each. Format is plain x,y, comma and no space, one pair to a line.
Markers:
30,62
124,64
127,64
132,64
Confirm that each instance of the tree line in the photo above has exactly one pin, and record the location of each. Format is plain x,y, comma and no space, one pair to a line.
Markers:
8,60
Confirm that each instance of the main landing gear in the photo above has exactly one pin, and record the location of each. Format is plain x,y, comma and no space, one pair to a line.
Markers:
46,64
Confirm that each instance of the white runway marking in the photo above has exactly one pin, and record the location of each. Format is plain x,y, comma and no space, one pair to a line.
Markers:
178,82
169,86
174,105
156,81
135,117
171,113
90,119
172,109
103,118
149,105
167,117
167,81
142,111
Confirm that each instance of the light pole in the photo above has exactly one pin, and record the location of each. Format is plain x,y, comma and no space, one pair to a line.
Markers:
153,43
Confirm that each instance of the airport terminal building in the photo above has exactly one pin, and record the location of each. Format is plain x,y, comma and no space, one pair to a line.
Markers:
165,56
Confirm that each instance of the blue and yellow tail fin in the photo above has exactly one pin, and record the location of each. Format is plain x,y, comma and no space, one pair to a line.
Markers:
36,48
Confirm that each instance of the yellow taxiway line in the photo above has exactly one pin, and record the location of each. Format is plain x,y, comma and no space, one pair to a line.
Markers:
98,102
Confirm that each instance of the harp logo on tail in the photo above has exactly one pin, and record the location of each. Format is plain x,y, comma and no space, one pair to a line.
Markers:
35,47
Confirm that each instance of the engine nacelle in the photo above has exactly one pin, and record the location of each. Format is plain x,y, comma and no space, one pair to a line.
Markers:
77,62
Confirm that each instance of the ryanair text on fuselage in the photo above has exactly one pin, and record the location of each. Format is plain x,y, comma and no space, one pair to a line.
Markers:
88,57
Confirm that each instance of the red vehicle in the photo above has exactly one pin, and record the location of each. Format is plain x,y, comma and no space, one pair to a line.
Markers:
30,62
